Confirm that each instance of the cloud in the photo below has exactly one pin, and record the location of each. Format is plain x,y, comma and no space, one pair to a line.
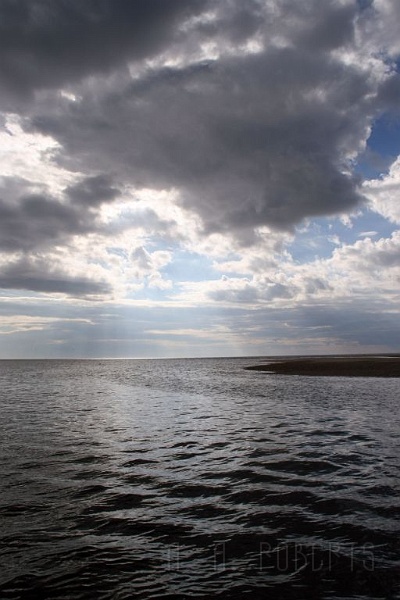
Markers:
146,266
383,194
45,44
350,274
166,152
11,324
261,137
92,191
35,221
382,25
80,242
39,274
379,260
30,218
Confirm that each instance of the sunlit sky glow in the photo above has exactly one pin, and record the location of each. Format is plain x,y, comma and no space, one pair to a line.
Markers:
199,177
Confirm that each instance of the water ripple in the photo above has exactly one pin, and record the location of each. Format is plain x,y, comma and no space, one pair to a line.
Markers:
196,478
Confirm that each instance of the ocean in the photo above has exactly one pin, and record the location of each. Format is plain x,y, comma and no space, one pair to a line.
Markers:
198,479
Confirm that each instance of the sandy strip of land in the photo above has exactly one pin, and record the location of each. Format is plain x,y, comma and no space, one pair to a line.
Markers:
337,366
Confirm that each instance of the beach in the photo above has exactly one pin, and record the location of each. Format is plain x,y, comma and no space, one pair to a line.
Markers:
334,366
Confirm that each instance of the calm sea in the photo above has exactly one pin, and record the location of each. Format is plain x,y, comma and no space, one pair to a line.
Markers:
196,479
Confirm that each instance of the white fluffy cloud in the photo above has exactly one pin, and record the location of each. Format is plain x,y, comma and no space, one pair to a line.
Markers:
384,194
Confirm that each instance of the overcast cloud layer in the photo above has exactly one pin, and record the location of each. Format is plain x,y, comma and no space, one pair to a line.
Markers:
200,154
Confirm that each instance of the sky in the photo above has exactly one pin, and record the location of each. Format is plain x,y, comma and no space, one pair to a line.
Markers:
190,178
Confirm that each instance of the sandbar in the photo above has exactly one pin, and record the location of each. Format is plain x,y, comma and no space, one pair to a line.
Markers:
334,366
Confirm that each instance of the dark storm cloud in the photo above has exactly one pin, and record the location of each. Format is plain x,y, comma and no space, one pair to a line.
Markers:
46,44
250,141
31,220
389,94
92,191
320,26
36,221
40,276
247,138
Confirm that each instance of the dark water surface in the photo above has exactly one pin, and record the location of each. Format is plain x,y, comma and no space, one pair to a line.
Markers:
196,479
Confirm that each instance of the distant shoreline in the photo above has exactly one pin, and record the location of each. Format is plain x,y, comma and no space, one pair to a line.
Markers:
334,366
